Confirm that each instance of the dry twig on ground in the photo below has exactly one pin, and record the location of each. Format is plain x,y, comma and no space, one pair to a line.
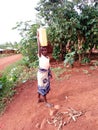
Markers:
61,119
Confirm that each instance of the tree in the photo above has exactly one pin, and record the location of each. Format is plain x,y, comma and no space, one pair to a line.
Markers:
66,24
88,29
60,16
28,43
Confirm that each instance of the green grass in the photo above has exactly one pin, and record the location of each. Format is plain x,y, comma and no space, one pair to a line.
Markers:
12,76
58,71
5,55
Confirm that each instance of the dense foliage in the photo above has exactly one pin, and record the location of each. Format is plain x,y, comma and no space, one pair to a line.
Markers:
74,23
71,26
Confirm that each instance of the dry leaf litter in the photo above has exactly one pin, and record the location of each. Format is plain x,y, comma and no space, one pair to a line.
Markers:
60,119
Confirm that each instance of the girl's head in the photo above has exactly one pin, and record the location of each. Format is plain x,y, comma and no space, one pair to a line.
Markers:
44,50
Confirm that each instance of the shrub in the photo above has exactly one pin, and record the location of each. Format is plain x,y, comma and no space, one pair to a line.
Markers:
11,77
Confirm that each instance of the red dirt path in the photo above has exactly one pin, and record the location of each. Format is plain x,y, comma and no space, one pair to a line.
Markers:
79,85
4,62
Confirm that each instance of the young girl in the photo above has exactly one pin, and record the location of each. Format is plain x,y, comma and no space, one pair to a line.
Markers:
43,74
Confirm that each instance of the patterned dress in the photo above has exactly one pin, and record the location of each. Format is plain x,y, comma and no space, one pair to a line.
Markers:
43,75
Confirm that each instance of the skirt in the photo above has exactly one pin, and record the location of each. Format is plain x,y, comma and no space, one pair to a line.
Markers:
43,81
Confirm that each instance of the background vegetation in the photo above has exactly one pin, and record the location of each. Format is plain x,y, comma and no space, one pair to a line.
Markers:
72,26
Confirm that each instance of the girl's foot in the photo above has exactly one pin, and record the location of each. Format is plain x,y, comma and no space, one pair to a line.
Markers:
49,105
40,100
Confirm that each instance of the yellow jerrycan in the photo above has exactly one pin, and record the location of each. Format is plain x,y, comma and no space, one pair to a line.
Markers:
42,36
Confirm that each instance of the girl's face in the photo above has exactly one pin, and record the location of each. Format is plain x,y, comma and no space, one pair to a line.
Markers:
44,51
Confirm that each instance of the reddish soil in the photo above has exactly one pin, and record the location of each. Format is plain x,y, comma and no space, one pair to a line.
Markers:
4,62
77,88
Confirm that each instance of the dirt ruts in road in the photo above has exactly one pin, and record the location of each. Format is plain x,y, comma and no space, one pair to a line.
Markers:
4,62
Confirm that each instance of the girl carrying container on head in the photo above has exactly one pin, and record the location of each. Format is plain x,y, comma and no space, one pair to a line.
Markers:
44,72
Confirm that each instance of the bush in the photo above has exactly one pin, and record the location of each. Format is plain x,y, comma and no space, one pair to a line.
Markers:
56,52
85,60
69,59
11,77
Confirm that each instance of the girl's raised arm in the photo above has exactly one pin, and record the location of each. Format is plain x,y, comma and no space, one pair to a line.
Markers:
39,47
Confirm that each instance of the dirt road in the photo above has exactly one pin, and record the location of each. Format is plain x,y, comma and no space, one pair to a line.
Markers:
4,62
76,88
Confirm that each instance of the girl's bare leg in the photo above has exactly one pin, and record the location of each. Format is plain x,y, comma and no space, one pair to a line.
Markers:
45,99
46,103
39,98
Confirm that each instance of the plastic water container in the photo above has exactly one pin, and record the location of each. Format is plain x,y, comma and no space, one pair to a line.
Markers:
42,36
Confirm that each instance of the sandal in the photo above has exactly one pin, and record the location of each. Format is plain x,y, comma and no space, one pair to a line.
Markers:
49,105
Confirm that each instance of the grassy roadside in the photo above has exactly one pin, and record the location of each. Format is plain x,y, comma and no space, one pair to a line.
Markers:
13,75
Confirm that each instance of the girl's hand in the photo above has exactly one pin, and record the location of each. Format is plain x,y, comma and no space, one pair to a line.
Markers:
50,77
